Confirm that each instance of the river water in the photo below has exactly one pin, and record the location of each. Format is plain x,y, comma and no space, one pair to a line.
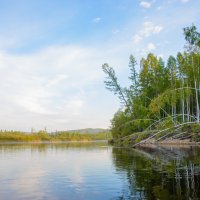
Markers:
96,171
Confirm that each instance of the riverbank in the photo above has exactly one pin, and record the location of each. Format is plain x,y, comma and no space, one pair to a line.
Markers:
186,135
54,142
128,143
43,136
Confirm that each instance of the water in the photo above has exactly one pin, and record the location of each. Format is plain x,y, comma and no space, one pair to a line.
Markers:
95,171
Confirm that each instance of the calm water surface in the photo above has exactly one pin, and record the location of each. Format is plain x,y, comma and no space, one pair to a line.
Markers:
96,171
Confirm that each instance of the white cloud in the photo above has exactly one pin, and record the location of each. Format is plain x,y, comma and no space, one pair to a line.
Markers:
58,78
149,28
184,1
34,82
97,19
55,87
151,47
115,31
136,39
73,105
145,4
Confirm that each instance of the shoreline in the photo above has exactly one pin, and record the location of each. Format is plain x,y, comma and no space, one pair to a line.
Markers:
53,142
128,142
172,142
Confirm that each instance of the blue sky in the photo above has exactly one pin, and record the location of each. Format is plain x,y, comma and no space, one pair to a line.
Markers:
51,54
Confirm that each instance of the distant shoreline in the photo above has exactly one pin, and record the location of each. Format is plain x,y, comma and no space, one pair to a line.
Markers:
45,137
52,142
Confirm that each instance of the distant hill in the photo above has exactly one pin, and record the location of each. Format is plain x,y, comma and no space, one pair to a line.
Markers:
89,130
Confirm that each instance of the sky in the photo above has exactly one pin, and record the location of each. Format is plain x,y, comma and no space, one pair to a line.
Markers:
51,53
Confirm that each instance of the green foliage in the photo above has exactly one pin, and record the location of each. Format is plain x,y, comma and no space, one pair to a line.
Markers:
43,135
169,94
192,36
112,84
16,136
141,137
134,74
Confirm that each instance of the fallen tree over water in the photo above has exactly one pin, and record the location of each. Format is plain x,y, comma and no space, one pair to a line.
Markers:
184,133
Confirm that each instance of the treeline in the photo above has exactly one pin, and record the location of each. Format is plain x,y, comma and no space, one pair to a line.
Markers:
17,136
162,94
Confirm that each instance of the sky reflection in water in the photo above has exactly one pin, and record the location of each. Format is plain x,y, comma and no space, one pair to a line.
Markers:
96,171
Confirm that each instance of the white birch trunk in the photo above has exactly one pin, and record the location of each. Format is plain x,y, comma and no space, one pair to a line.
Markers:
197,101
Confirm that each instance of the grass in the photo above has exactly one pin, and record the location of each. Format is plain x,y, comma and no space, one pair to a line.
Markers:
17,136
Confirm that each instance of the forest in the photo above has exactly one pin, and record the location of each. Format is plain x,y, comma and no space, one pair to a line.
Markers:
163,97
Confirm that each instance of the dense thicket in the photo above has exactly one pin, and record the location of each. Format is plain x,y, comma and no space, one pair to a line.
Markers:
160,94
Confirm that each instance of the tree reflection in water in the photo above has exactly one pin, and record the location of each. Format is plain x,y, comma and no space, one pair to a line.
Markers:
159,172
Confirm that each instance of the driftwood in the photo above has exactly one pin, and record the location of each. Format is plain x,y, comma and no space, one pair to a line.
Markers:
161,131
178,135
